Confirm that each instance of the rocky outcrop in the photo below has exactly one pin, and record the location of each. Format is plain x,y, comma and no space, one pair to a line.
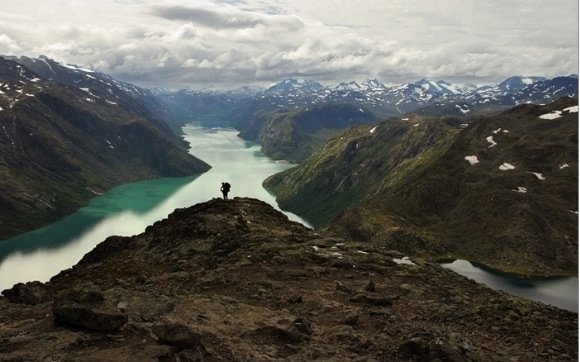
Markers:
234,280
27,293
85,307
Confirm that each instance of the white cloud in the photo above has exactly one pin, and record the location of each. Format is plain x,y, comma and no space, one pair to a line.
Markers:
8,45
231,42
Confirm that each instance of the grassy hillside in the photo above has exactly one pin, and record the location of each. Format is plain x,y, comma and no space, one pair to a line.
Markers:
295,134
409,185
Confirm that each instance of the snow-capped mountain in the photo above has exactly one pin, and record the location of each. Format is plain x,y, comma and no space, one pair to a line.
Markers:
294,87
79,76
440,97
514,84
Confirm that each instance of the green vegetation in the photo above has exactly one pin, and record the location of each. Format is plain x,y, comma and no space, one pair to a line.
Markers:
294,135
58,150
407,185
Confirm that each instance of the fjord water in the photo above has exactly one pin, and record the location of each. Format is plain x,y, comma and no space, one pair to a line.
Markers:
127,210
560,292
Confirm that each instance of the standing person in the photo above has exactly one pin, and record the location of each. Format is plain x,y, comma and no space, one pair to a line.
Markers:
225,189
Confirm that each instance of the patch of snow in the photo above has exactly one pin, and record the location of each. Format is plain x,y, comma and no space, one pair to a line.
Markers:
108,101
48,64
361,110
527,81
573,109
507,166
405,119
496,131
337,254
563,166
463,125
361,252
90,100
538,175
574,211
490,140
505,131
521,189
75,67
472,160
373,129
35,80
315,248
553,115
464,111
404,261
416,125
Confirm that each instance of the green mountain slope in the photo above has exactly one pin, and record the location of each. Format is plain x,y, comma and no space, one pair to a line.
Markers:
415,190
59,145
295,134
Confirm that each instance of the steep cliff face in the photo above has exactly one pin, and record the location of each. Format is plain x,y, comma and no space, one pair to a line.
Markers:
501,191
235,280
58,142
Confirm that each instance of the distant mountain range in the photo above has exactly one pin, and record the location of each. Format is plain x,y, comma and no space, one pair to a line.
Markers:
68,133
424,96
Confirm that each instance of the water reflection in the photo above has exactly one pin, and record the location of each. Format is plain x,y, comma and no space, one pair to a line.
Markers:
129,209
560,292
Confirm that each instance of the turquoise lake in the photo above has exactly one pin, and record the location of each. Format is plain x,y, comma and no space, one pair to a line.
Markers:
127,210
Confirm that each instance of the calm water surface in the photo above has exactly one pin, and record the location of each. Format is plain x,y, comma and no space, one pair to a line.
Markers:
129,209
559,292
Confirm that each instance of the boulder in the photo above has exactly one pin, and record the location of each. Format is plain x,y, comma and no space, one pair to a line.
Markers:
85,307
178,335
88,317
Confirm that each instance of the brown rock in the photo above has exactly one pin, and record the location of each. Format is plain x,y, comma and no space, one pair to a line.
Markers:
178,335
31,293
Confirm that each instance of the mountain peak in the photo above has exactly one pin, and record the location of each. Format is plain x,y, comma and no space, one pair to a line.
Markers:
294,85
518,82
373,83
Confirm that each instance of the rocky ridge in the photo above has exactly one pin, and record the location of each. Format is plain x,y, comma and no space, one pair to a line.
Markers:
236,281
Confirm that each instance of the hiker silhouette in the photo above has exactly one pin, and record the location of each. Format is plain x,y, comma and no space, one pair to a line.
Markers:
225,189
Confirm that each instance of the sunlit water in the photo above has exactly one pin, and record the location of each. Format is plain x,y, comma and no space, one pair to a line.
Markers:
559,292
129,209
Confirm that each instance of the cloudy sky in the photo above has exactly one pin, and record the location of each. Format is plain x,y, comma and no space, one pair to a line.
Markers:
227,43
